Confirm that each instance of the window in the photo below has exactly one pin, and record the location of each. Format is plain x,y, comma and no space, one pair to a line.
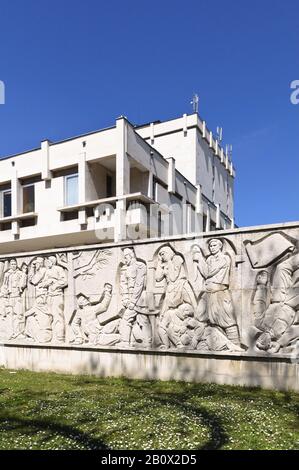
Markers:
28,198
6,203
71,190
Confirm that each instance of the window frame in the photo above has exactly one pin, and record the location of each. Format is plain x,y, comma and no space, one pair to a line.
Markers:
66,179
3,193
24,186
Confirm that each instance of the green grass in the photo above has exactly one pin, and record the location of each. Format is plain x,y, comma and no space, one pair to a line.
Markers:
51,411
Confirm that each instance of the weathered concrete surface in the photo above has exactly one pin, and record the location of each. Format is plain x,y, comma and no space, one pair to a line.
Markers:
278,373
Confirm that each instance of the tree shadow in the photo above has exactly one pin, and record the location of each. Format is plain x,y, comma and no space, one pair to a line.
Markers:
34,425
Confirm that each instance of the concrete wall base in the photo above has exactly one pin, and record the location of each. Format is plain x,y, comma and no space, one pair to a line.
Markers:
279,373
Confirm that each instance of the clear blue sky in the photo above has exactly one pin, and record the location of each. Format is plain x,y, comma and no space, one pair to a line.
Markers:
72,66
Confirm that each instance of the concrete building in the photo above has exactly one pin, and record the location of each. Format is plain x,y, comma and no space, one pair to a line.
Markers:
123,182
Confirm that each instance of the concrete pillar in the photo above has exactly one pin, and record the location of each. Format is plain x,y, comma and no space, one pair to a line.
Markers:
122,179
204,129
185,124
211,139
82,218
45,152
218,222
150,185
152,133
82,176
122,161
15,193
198,207
208,221
171,175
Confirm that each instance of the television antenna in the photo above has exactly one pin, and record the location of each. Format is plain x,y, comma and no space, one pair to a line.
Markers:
219,134
195,102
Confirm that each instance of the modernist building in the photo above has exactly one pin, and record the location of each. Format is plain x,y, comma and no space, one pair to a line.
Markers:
124,182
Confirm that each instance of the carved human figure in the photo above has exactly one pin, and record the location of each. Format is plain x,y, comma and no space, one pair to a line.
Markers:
36,276
14,284
38,321
278,321
134,325
55,281
216,301
86,325
171,268
174,325
178,292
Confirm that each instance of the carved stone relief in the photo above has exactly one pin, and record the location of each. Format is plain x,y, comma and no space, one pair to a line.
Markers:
222,294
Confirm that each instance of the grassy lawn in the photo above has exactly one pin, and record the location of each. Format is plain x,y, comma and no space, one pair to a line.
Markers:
51,411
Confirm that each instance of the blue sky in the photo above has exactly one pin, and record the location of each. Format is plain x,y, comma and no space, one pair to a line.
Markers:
71,67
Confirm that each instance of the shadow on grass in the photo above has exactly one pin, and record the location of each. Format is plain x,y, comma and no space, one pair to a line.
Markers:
32,426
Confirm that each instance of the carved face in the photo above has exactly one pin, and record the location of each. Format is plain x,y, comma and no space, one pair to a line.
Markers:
215,246
165,254
196,253
51,261
128,256
187,311
38,263
13,265
262,278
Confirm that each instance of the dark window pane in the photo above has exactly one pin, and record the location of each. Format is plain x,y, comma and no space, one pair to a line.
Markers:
28,199
7,204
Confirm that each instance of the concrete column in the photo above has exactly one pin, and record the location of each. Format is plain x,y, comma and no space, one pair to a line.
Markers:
208,221
218,222
122,179
198,207
122,161
82,171
204,129
185,124
15,193
152,133
211,139
45,152
82,218
171,175
150,185
15,201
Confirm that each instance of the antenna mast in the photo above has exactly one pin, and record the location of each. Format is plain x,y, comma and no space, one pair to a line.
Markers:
195,102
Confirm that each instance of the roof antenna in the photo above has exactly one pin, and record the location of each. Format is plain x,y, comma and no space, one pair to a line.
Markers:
219,134
194,102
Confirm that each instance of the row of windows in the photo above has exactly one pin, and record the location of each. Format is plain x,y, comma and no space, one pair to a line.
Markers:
28,200
28,196
71,194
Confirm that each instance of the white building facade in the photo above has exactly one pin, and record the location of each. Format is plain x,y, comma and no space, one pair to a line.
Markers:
124,182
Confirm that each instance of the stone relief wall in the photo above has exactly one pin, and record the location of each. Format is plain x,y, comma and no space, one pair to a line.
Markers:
237,292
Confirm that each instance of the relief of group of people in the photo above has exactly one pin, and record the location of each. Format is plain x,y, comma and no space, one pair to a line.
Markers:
32,300
32,303
276,307
181,320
